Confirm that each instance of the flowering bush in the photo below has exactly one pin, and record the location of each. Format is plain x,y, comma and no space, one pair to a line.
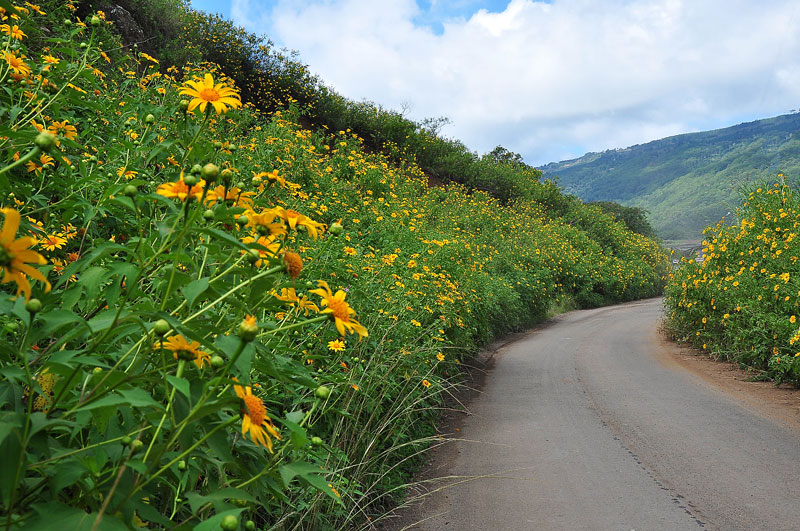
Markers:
215,317
741,302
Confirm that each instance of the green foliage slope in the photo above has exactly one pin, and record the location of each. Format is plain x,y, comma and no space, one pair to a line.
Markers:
686,182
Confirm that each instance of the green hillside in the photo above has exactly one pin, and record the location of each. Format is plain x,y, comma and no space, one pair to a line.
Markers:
686,182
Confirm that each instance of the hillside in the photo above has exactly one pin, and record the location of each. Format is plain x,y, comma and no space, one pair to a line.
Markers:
689,181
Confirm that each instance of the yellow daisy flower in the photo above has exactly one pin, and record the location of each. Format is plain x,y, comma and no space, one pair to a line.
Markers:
255,420
204,92
15,255
182,349
341,312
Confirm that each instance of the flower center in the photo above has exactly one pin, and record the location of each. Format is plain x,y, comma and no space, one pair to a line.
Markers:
6,257
255,409
340,309
209,94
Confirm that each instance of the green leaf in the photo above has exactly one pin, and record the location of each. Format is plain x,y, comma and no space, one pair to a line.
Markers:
139,398
224,236
105,319
198,500
53,514
56,319
299,437
194,289
181,384
311,474
128,397
213,523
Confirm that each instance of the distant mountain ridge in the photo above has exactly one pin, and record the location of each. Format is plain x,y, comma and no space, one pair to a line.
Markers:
688,181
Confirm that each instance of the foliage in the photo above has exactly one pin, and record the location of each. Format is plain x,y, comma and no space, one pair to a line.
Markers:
635,218
741,302
686,182
242,319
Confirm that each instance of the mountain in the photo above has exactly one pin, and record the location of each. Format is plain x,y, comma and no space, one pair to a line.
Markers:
686,182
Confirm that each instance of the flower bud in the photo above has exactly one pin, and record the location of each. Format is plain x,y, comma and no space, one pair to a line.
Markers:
322,392
210,172
184,105
248,328
217,362
161,327
33,305
95,20
45,141
196,169
316,441
130,190
190,180
229,523
136,445
149,119
336,228
208,215
242,220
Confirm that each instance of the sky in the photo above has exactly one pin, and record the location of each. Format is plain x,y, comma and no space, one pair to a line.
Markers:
549,80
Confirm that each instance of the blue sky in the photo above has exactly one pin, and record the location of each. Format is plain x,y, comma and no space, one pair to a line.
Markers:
432,12
553,79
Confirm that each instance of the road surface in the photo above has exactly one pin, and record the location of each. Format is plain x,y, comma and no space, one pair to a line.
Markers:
583,425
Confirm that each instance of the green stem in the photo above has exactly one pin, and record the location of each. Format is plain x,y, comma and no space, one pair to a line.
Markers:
296,325
178,374
182,455
22,160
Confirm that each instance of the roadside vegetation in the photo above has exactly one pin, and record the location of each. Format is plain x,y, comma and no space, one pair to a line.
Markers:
741,303
214,315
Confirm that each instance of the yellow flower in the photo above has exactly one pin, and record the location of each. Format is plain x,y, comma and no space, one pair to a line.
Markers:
290,295
336,306
13,32
46,381
440,356
426,383
232,195
180,189
17,64
45,160
263,222
182,349
15,254
64,128
270,247
51,242
255,420
295,219
204,92
337,345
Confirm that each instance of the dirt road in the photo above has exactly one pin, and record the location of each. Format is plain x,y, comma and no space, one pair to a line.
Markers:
590,424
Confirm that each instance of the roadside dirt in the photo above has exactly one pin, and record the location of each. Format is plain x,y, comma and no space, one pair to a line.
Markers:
781,403
433,473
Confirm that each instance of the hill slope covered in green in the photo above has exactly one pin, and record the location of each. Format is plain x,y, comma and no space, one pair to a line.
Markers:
689,181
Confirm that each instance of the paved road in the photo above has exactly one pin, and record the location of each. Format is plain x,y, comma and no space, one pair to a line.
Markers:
580,426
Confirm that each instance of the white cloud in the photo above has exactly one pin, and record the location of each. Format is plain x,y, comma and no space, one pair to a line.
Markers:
552,80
